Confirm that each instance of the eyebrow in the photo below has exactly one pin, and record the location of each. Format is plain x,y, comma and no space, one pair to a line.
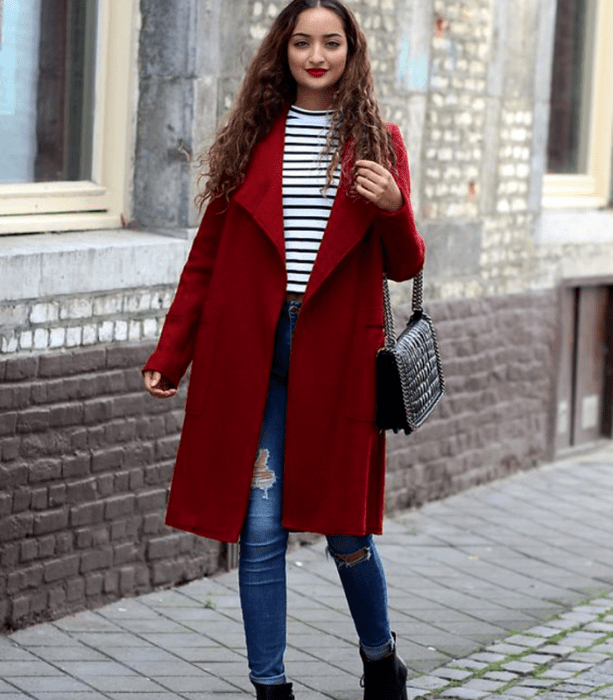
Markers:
325,35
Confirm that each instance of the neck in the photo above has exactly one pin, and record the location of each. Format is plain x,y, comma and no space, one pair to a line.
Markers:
315,101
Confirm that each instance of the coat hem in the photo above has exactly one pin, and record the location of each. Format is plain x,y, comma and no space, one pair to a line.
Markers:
340,530
219,536
231,539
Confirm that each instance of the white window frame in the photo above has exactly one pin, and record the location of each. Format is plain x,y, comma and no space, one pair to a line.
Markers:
592,189
98,203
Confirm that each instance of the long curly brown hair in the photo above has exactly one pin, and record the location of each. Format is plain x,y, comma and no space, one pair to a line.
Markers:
267,88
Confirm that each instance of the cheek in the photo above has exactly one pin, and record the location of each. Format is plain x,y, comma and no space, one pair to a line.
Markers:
292,63
342,63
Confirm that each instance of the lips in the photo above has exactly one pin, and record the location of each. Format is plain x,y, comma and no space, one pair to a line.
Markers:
317,72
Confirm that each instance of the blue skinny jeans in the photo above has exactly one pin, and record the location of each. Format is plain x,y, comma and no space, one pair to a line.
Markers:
263,545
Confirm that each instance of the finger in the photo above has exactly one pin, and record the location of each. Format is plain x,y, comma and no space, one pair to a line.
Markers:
157,385
372,166
376,178
367,164
166,384
151,379
375,186
367,173
162,393
372,187
367,194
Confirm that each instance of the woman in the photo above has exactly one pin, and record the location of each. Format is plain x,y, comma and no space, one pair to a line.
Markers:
291,253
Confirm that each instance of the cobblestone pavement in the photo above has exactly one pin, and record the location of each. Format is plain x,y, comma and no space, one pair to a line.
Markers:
570,656
501,591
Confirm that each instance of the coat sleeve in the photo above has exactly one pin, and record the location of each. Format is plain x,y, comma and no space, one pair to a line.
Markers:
403,248
176,345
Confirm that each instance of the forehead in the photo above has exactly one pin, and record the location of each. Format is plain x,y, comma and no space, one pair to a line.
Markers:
319,21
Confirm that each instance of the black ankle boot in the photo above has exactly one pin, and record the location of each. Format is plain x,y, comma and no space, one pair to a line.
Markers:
274,692
385,679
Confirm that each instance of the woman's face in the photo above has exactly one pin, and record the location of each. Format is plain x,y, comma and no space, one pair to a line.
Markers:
317,55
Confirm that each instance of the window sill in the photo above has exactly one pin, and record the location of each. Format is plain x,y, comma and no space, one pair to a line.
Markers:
575,226
568,202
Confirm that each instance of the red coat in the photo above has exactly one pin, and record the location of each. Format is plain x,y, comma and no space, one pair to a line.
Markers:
223,320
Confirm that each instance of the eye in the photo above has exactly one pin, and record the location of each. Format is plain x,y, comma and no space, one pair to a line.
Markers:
334,44
300,44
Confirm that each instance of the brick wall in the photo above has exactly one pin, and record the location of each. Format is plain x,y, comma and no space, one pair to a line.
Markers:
68,321
86,458
498,356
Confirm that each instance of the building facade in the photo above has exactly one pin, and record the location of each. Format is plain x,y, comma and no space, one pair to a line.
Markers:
104,104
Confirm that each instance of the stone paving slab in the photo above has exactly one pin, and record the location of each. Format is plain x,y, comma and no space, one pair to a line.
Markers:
551,680
488,594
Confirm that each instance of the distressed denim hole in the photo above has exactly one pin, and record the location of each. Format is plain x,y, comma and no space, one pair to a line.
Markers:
349,560
263,476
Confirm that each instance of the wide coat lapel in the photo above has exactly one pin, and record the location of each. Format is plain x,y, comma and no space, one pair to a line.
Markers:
261,193
348,222
262,196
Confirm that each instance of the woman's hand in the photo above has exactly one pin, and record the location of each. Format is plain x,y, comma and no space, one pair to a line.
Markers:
377,184
159,387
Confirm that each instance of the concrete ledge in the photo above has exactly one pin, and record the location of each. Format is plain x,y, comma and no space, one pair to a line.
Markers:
47,265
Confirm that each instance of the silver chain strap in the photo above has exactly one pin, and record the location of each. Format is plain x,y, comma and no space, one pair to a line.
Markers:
417,305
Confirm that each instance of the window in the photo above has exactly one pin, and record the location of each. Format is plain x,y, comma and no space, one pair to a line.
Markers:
66,105
581,116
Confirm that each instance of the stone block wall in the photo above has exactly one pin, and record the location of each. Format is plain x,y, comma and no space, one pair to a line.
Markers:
86,458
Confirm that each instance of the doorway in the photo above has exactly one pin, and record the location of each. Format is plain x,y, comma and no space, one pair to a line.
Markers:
585,371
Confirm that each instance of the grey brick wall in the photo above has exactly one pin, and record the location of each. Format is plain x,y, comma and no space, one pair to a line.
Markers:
86,459
497,357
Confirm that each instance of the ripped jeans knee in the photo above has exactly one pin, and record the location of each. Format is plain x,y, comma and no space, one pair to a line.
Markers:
361,572
348,551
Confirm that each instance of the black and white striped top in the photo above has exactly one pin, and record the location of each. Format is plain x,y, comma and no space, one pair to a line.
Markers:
305,210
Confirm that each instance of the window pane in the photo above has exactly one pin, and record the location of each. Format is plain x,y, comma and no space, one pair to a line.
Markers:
571,87
47,50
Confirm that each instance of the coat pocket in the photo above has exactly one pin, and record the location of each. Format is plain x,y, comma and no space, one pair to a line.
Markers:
361,392
202,362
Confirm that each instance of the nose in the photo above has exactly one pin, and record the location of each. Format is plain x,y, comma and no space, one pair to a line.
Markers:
317,55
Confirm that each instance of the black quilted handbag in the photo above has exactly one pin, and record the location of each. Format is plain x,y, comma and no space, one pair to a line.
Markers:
410,380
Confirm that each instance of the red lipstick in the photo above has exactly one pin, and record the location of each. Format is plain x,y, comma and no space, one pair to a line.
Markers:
317,72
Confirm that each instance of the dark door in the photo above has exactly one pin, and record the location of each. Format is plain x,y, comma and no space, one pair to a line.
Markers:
590,369
585,374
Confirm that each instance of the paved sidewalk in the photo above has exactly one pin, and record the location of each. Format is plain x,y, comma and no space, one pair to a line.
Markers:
481,585
570,656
